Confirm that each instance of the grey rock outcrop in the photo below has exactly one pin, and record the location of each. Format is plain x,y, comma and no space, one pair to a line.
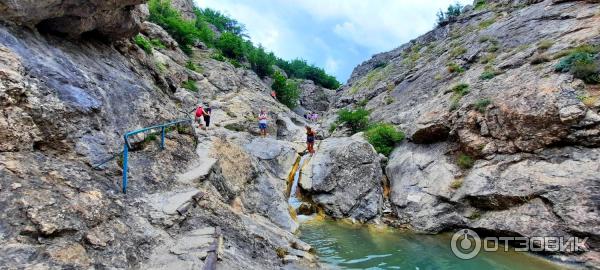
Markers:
314,97
345,178
64,107
113,19
533,132
185,7
549,193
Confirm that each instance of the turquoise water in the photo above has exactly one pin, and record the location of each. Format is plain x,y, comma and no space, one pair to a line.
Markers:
347,246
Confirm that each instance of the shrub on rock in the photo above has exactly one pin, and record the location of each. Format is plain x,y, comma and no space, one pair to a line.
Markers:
384,138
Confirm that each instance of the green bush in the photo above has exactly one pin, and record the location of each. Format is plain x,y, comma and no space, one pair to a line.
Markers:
488,58
332,127
235,63
588,72
384,138
454,102
218,57
545,44
465,161
220,21
585,48
161,67
190,85
143,43
150,138
456,183
485,24
482,104
458,51
582,65
191,66
262,62
487,75
357,120
480,4
455,68
157,43
231,46
287,91
460,89
183,31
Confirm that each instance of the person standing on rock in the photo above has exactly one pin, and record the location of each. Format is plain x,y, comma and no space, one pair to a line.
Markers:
262,122
199,115
206,116
310,139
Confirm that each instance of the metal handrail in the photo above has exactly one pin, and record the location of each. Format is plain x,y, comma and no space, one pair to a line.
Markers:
126,145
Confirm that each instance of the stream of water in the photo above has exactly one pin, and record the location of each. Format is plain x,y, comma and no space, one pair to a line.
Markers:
293,200
340,245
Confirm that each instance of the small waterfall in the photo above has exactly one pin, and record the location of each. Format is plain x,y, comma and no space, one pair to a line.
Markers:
293,200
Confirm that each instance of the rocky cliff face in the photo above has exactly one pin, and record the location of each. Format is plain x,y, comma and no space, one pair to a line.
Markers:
65,105
485,88
113,19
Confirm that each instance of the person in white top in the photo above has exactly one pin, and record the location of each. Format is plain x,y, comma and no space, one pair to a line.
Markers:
262,122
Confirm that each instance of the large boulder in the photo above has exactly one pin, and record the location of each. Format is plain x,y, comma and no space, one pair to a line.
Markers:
344,177
420,177
115,19
314,97
255,175
185,7
551,193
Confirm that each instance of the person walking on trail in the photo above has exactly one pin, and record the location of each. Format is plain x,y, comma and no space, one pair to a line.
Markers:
200,112
310,139
262,122
314,117
206,116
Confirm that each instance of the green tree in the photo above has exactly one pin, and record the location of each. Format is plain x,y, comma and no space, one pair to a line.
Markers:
262,62
184,31
220,21
287,91
450,15
231,45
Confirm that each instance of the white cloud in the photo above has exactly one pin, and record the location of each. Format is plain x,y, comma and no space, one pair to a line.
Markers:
331,65
332,32
377,24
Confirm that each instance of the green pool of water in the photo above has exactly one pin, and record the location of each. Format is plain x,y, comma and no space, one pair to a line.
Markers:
349,246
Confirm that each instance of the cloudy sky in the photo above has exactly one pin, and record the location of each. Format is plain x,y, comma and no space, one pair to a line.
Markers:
336,35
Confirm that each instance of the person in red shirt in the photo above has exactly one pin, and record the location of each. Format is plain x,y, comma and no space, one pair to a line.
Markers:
200,112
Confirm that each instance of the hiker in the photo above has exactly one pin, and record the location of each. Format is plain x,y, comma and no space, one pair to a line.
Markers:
310,139
274,95
262,122
206,115
314,116
199,115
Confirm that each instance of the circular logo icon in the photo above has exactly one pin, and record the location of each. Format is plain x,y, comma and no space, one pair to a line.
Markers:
465,244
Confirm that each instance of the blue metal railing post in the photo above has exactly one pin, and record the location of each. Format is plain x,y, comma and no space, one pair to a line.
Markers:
162,139
147,129
125,157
